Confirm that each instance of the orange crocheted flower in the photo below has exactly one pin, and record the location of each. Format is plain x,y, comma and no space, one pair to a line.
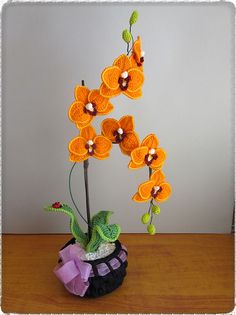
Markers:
87,105
137,56
121,132
148,154
89,144
156,188
121,77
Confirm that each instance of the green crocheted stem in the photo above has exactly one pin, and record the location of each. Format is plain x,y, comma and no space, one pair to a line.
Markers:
101,231
76,231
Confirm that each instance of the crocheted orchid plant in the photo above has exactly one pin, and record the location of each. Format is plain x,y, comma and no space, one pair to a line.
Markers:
124,76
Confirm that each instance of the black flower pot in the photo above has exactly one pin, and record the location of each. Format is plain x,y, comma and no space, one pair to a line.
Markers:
102,284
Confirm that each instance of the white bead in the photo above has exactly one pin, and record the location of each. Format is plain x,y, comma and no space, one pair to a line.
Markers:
124,84
120,131
152,151
124,75
90,149
142,53
90,142
149,158
89,107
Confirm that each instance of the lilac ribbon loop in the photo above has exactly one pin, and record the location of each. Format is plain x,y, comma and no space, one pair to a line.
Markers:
73,272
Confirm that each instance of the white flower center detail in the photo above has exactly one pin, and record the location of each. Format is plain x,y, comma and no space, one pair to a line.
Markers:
90,142
89,107
152,151
90,149
124,75
120,131
142,53
124,83
156,189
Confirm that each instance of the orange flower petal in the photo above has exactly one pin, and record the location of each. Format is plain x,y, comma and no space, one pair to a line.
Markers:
133,95
137,48
106,92
78,158
124,151
136,79
151,141
77,146
81,93
110,77
134,166
127,123
138,198
130,142
138,155
76,113
103,145
109,126
88,133
161,156
101,157
109,108
158,177
165,193
122,62
99,100
80,125
145,189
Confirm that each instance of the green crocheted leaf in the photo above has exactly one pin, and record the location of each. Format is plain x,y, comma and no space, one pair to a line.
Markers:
74,225
101,231
134,17
126,36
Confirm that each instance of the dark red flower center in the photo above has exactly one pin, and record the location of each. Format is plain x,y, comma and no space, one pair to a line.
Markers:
124,83
90,147
149,158
155,191
90,109
119,137
56,205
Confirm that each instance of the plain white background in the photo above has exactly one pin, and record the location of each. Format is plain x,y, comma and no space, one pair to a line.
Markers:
187,101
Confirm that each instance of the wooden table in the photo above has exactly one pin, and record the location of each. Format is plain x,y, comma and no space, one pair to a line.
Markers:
167,273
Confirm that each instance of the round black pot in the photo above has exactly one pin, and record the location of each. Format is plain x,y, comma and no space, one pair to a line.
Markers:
101,285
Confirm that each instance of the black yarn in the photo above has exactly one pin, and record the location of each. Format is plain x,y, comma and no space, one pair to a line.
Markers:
101,285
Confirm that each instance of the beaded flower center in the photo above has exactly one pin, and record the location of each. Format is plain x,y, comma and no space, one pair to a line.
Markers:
90,109
155,191
150,157
90,146
141,59
119,135
124,80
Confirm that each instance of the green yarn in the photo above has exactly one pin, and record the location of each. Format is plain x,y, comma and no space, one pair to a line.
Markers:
76,231
133,18
126,35
101,231
156,209
151,229
145,218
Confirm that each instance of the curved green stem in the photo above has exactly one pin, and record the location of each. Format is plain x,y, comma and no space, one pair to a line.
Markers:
72,195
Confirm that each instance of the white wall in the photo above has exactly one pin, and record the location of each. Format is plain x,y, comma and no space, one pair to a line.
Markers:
187,101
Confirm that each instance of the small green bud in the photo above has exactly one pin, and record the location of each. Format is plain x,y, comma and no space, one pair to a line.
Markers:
145,218
151,229
126,36
156,209
134,17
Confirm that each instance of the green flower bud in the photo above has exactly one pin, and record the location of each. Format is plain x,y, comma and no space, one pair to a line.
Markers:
156,209
151,229
145,218
126,36
134,17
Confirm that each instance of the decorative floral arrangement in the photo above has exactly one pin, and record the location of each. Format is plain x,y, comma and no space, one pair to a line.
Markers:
80,265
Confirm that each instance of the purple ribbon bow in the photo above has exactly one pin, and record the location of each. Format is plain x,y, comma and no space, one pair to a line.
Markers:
73,272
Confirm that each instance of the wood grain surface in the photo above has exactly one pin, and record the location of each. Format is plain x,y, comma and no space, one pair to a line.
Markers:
167,273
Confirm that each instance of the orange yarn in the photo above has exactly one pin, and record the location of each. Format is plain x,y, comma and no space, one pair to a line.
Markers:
87,105
121,77
89,144
148,154
121,132
136,58
155,188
